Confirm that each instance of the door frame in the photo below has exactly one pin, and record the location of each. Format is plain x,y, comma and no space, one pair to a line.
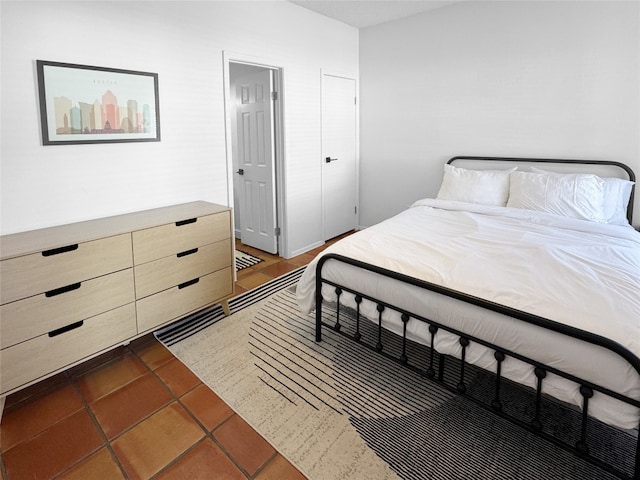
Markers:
279,136
333,73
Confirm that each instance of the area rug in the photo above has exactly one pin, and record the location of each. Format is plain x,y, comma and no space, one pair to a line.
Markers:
245,260
337,410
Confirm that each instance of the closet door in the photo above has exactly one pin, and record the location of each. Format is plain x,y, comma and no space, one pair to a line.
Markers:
339,168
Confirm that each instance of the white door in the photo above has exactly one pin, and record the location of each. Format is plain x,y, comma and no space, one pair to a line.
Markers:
255,174
339,173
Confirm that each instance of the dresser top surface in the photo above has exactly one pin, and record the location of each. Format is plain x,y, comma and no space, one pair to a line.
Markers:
33,241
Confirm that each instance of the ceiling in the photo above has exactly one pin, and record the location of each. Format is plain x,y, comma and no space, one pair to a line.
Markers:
366,13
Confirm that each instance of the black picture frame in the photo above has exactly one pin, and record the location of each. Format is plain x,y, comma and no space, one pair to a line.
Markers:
84,104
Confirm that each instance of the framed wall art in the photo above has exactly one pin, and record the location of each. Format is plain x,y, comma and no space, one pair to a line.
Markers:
82,104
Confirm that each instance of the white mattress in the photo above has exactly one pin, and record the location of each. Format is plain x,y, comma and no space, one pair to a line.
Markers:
580,273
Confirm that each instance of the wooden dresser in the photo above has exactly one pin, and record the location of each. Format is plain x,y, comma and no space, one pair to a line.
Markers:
71,292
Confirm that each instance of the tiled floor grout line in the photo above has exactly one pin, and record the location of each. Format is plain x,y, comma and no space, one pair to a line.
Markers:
208,434
105,439
266,464
223,449
87,407
173,399
61,385
107,443
152,372
178,458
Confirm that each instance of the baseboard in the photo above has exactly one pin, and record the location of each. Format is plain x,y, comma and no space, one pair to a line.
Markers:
300,251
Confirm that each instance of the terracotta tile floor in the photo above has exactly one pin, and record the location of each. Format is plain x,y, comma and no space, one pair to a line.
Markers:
138,413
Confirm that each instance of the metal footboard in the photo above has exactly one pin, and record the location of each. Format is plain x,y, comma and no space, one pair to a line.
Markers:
434,369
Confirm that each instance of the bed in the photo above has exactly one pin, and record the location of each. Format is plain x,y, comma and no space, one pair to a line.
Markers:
527,268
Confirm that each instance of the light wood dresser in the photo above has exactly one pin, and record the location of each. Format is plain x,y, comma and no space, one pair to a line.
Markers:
71,292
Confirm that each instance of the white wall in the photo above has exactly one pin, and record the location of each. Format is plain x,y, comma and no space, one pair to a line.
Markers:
549,79
184,43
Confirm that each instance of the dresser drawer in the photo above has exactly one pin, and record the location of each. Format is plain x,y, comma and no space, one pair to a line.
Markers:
170,239
35,358
40,314
176,302
153,277
41,272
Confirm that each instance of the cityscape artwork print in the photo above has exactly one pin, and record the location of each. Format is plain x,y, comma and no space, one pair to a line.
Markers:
85,104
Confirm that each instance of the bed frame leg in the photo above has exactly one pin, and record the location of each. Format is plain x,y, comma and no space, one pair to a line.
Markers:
496,403
337,326
405,320
357,335
319,299
318,329
581,446
464,343
540,374
318,316
430,371
380,309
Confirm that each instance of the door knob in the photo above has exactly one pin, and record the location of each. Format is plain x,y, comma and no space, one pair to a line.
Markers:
240,172
329,159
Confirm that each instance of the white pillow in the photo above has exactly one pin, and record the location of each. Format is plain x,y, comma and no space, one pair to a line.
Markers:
486,187
573,195
615,199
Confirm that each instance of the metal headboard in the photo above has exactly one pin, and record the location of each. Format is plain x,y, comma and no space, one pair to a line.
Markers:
620,167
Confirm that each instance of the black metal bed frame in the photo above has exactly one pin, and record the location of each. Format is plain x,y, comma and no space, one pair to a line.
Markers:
587,388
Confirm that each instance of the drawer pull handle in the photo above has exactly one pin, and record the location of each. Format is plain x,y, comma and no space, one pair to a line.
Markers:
186,222
68,328
61,290
59,250
188,284
187,252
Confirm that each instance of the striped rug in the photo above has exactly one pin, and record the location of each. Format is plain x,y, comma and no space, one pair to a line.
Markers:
337,410
245,260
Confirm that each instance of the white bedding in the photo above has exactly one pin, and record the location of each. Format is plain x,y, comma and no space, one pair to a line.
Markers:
576,272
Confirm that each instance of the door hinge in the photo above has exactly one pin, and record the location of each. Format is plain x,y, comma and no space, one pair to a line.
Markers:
274,96
355,209
276,231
